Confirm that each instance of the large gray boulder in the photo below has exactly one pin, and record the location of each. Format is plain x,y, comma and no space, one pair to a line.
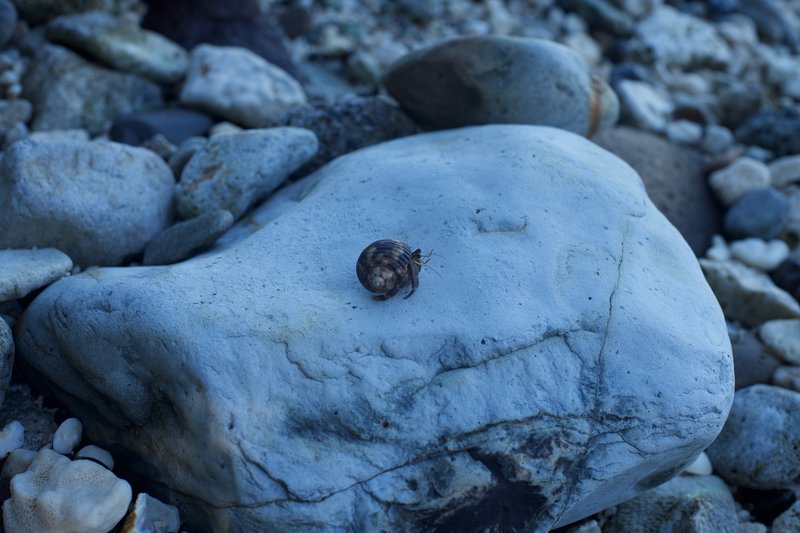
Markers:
568,356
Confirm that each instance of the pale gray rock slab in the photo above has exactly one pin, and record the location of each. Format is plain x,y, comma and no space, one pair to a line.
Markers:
23,271
180,241
238,85
98,202
121,44
746,294
737,179
233,171
6,358
701,504
550,369
782,337
643,106
673,38
465,81
69,92
757,448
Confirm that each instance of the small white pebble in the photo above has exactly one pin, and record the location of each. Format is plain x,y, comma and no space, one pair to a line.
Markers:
740,177
95,452
719,250
67,436
11,437
700,467
17,462
760,254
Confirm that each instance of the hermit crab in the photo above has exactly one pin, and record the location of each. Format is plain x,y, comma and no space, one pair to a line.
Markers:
386,266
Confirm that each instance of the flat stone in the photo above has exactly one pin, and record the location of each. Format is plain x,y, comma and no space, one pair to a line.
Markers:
23,271
760,254
121,44
238,85
752,363
757,448
785,171
737,179
98,202
465,81
746,294
787,376
174,123
642,106
761,213
783,338
675,180
233,23
348,125
182,240
701,504
422,424
69,92
234,171
72,134
672,38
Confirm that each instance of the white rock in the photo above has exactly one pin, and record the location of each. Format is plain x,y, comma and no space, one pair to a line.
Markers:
643,106
12,437
684,131
234,171
740,177
787,377
783,338
700,467
22,271
56,495
150,515
760,254
785,171
238,85
67,436
17,462
527,351
746,294
719,249
97,453
70,134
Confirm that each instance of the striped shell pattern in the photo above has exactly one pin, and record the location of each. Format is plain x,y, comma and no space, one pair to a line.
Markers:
386,266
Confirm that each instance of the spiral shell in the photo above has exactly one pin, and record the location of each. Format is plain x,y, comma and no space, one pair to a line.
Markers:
386,266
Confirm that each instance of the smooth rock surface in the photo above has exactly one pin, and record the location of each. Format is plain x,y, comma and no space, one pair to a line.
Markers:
465,81
701,504
97,202
234,171
180,241
785,171
760,254
23,271
751,362
642,106
98,454
17,462
526,387
737,179
151,516
761,213
12,437
121,44
67,436
56,495
69,92
783,338
787,376
758,445
746,294
237,85
700,467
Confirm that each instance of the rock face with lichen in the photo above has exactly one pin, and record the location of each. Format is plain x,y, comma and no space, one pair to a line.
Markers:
568,356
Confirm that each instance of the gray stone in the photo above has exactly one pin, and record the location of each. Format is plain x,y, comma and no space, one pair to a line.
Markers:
237,85
14,111
672,38
642,106
347,125
67,436
184,239
184,153
787,376
525,386
737,179
746,294
121,44
465,81
23,271
752,363
684,132
716,139
603,15
777,130
236,170
6,358
70,135
788,521
760,254
686,503
785,171
98,202
69,92
8,21
757,448
782,337
761,213
38,11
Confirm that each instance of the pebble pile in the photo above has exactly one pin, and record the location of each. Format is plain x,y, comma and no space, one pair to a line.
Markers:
138,133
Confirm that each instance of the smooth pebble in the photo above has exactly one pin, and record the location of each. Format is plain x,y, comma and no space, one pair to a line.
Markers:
97,453
12,437
760,254
783,338
759,213
740,177
67,436
24,270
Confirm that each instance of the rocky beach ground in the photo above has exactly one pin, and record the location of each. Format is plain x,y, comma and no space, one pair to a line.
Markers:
605,336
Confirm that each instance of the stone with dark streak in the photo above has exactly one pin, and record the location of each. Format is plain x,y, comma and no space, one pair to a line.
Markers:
568,356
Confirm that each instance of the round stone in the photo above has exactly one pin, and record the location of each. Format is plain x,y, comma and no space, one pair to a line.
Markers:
759,213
